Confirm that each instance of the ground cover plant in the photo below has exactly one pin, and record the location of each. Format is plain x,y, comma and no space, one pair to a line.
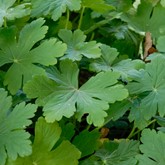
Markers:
82,82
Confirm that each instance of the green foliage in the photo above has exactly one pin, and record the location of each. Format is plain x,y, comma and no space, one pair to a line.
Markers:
80,89
76,47
91,98
14,140
46,135
23,57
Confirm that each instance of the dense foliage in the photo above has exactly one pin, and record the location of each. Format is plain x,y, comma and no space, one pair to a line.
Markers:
80,84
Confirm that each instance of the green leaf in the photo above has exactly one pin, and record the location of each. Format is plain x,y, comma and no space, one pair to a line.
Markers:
98,5
148,18
152,147
46,136
83,142
160,44
92,98
108,61
55,8
77,47
14,140
21,55
10,13
150,82
123,154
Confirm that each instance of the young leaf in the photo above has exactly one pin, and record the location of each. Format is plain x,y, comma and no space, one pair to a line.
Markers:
77,47
92,98
107,62
46,136
152,147
21,55
55,8
122,154
150,82
148,18
14,140
83,142
10,13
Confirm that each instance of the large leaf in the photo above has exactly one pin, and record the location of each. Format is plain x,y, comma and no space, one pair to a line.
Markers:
107,62
14,140
152,147
55,8
10,13
46,136
21,55
148,18
77,47
151,84
92,98
115,154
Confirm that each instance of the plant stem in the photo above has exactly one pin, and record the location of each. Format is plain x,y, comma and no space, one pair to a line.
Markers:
131,133
151,122
81,17
97,25
67,18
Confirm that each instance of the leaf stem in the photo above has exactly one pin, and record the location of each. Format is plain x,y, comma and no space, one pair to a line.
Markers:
81,17
4,22
67,18
132,132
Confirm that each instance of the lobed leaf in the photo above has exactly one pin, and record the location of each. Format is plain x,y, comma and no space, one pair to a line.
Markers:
91,98
14,140
21,55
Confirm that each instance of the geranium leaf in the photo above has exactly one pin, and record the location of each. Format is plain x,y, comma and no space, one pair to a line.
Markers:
46,136
77,47
109,61
23,57
92,98
152,147
10,13
151,83
14,140
54,7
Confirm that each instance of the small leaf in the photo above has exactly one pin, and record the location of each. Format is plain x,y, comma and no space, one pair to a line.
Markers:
108,61
77,47
11,13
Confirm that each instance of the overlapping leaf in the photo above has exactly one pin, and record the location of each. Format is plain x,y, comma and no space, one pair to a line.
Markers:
14,140
152,148
55,8
148,18
10,13
115,154
150,83
46,136
108,61
21,55
77,47
91,98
